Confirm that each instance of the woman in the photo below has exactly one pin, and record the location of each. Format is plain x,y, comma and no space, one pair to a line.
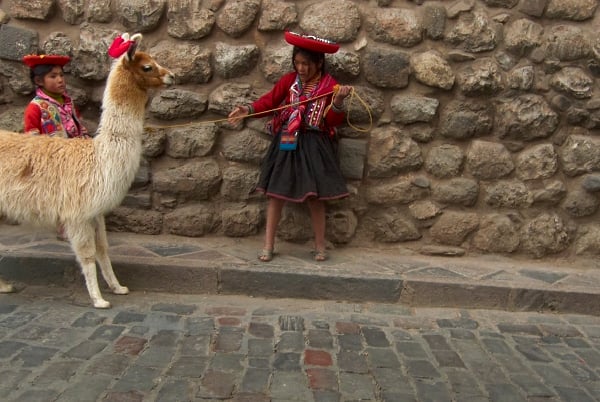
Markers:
301,164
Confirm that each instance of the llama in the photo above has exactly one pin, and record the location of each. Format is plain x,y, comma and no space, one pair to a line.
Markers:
46,180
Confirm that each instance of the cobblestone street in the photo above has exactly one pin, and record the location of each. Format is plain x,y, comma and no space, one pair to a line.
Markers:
161,347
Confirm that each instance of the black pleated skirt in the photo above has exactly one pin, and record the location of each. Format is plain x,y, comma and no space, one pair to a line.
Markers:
311,170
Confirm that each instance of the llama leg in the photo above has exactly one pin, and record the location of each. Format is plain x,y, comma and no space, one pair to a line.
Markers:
6,287
104,260
83,242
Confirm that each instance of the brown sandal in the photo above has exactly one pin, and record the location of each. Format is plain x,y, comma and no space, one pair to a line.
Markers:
321,255
265,255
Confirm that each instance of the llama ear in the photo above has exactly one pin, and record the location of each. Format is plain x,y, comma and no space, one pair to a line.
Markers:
135,41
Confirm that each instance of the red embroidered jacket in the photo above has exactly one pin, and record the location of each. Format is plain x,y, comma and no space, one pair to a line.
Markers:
280,95
44,115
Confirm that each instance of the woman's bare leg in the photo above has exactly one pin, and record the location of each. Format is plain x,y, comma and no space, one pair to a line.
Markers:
317,216
274,208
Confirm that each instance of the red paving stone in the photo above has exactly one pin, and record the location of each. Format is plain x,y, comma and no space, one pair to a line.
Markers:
317,358
347,328
322,379
229,321
130,345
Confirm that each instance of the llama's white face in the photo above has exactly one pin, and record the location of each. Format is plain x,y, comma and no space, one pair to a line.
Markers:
148,73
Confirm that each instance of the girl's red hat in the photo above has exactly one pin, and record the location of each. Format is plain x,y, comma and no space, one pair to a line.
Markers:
33,60
310,42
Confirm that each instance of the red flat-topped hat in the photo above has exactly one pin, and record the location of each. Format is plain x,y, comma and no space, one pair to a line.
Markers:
310,42
33,60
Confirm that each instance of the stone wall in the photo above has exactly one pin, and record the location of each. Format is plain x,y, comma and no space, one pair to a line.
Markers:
485,115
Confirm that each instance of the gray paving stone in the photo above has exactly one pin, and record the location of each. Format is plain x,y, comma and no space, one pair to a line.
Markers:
464,385
505,393
392,380
10,348
326,396
227,362
174,390
286,361
350,342
37,395
320,339
421,369
137,378
165,338
217,385
7,308
532,386
358,386
89,319
433,392
255,380
261,330
260,363
17,320
448,358
375,337
412,350
574,394
533,353
156,356
290,341
352,362
195,345
260,347
57,371
33,332
196,326
107,333
113,365
382,357
127,317
34,356
86,350
86,388
188,367
164,321
290,386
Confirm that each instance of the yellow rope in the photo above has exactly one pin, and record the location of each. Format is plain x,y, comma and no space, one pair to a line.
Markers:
353,95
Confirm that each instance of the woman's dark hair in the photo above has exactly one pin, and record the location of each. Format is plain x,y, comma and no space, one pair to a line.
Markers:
315,57
40,71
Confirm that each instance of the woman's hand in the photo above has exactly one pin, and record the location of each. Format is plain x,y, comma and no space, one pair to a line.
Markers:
237,114
341,94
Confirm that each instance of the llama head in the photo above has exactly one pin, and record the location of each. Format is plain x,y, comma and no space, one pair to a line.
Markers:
146,72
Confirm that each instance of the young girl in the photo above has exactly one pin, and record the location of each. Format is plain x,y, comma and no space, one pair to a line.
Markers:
51,111
301,165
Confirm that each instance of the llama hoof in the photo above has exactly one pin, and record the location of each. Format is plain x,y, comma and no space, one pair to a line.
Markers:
101,304
6,288
121,290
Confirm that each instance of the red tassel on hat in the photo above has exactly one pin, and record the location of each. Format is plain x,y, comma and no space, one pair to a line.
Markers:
119,46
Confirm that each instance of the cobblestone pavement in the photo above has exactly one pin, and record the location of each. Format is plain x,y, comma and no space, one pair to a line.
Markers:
165,347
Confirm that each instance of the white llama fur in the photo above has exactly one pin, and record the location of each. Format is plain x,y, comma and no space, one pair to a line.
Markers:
47,180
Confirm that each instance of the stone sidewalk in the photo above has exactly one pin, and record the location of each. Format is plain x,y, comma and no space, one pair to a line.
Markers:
222,265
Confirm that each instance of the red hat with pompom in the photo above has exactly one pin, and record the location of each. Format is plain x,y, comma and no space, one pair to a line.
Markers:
33,60
311,42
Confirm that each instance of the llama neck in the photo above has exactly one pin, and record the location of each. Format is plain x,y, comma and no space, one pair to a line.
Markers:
123,104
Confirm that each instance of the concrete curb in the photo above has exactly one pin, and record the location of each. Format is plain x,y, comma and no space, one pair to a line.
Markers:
273,281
